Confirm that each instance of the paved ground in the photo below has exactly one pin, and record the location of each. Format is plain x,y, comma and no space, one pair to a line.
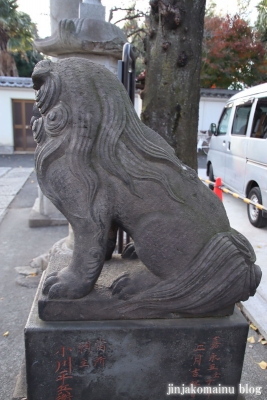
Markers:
19,244
17,160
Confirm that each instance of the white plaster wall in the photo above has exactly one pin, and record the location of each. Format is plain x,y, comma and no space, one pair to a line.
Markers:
6,119
210,110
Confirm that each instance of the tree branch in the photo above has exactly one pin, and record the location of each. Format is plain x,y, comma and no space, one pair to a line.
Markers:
117,9
136,31
130,17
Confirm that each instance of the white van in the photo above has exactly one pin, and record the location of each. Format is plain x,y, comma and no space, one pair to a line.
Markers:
238,149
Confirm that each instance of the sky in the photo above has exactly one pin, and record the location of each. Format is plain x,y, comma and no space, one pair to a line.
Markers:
39,10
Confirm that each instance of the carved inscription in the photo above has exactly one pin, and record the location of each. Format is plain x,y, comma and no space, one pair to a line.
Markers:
87,356
205,369
63,373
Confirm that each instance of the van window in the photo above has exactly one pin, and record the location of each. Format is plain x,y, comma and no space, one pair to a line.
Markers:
259,126
241,118
224,121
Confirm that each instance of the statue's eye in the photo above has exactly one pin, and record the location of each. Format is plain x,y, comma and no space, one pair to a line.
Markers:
56,119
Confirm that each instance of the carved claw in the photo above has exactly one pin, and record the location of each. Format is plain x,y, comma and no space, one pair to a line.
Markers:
119,284
58,291
66,284
50,281
129,252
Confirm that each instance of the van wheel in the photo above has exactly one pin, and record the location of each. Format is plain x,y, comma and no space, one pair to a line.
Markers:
254,214
211,177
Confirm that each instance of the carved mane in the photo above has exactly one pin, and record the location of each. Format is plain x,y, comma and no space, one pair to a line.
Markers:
106,127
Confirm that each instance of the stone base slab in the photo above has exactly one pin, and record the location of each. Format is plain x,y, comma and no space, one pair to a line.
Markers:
100,304
134,359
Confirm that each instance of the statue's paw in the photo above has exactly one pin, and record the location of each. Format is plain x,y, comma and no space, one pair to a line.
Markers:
129,252
119,286
66,285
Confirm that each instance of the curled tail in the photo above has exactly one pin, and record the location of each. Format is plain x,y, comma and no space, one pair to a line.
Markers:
222,274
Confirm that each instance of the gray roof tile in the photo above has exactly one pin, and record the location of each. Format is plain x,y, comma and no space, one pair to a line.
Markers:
16,82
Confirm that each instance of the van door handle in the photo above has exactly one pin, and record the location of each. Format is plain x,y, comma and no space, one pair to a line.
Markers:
229,145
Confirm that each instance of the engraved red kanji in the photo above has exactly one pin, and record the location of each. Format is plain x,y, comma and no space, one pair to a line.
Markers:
99,361
214,358
100,345
64,396
84,363
63,364
200,347
195,372
215,342
197,359
82,347
216,375
63,351
64,392
212,367
62,376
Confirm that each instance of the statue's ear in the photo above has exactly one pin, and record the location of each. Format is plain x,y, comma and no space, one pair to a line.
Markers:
47,84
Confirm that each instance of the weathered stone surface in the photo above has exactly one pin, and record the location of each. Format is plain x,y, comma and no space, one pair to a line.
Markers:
134,360
100,165
83,36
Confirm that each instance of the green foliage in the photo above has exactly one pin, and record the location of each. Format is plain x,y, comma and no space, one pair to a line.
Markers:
7,9
17,32
25,65
233,55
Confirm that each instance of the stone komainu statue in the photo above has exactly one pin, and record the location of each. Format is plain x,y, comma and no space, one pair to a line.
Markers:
100,165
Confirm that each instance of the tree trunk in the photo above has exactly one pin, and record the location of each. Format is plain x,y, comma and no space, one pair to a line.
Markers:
172,91
7,62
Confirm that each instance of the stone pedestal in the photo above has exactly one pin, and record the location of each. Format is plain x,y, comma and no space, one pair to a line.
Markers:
92,9
60,9
134,360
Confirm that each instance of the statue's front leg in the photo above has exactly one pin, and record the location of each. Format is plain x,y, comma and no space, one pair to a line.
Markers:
78,279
